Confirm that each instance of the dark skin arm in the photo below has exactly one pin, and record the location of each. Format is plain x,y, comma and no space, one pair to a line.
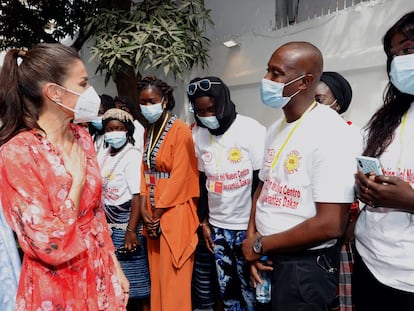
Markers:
131,239
387,191
328,223
151,222
202,211
255,266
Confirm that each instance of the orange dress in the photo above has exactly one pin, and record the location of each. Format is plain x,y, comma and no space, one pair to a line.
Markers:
67,263
171,257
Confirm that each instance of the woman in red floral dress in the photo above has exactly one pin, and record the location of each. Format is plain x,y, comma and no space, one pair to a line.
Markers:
51,186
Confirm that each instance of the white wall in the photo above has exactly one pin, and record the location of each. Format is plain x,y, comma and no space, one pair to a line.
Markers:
350,40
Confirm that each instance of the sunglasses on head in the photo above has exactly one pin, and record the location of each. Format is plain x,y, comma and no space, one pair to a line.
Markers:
204,85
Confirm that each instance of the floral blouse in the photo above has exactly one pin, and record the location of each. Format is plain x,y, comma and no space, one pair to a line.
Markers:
67,262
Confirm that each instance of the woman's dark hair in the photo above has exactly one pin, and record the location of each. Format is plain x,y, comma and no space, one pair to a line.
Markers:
107,102
21,85
127,104
162,88
381,127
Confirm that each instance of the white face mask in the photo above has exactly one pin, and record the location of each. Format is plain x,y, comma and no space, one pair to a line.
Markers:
152,112
87,105
402,73
115,139
210,122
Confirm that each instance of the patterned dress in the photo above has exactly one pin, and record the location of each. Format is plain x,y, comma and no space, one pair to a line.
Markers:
67,263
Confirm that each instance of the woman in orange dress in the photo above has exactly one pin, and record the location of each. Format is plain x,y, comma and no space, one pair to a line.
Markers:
51,186
169,192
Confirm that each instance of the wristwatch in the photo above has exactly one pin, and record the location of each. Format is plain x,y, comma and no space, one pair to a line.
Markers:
257,245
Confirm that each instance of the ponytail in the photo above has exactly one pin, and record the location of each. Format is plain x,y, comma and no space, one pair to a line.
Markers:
11,104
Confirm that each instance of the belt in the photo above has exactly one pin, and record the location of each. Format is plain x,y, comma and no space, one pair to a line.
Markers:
305,253
158,174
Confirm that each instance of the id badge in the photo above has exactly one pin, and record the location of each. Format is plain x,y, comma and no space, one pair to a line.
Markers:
149,179
216,187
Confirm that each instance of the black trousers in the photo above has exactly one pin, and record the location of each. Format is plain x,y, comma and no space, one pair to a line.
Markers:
369,294
305,281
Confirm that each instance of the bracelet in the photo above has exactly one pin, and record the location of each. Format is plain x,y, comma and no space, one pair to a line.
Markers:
203,224
130,230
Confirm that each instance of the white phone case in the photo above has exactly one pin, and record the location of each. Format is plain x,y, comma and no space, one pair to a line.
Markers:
368,164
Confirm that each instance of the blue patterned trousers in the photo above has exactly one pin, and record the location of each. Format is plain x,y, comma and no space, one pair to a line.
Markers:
232,270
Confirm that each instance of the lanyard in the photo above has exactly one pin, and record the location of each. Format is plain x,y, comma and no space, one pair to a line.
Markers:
218,158
276,158
151,143
402,133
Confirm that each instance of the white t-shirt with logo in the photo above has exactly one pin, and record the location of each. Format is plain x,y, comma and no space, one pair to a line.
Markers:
317,164
123,181
228,161
385,236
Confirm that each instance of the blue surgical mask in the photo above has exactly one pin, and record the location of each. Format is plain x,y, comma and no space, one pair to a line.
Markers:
210,122
271,93
152,112
402,73
115,139
97,123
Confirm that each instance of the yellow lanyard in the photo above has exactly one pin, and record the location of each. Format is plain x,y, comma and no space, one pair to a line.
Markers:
403,123
276,158
151,143
217,158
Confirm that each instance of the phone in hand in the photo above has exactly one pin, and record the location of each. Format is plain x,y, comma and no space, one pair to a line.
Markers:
123,250
368,165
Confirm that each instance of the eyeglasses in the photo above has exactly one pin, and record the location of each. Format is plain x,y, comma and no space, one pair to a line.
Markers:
204,85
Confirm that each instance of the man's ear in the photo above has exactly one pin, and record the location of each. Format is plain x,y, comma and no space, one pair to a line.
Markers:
51,91
307,81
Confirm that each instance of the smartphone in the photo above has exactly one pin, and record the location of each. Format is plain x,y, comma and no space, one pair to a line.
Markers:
123,250
368,165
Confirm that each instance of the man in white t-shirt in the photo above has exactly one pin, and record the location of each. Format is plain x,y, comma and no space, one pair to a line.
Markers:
229,148
301,204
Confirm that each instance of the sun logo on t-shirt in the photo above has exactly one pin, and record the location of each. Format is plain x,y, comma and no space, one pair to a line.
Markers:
292,162
234,155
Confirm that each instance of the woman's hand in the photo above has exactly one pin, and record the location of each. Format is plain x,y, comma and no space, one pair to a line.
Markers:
75,164
131,240
153,228
384,191
206,230
123,281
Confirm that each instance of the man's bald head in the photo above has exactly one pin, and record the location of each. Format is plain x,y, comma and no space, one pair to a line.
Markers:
302,56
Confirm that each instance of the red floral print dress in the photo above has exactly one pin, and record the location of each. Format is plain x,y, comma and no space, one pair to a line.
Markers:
67,263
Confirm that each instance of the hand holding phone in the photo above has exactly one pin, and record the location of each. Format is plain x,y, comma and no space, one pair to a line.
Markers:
369,165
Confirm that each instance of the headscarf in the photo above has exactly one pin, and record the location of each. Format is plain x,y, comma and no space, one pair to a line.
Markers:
225,108
121,116
340,88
